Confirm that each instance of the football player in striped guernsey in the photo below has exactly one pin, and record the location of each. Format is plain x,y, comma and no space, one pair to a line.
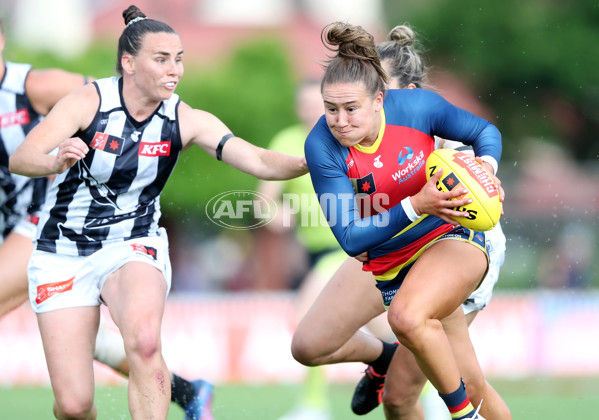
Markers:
98,239
26,95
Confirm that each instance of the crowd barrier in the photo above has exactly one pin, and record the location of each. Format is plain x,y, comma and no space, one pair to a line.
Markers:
245,337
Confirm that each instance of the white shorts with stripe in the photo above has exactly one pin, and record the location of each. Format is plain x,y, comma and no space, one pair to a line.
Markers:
64,281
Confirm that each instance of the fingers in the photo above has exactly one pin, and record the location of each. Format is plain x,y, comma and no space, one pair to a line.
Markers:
436,176
69,153
74,147
453,204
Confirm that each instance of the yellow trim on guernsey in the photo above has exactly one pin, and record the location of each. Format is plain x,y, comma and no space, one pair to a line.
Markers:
375,146
392,273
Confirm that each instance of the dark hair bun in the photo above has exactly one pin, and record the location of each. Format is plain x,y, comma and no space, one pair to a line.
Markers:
131,13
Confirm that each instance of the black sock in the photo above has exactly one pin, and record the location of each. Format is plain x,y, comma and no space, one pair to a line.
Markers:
381,364
182,391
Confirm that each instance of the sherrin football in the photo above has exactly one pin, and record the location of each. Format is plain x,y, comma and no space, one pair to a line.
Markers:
460,170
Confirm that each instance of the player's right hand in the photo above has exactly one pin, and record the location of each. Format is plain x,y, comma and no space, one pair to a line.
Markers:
70,151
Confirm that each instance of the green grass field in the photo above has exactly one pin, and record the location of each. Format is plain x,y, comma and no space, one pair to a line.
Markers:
530,399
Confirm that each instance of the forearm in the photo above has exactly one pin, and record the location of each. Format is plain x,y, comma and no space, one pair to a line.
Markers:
355,234
279,166
27,160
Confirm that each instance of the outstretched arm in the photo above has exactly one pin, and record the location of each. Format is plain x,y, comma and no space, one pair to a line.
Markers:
205,130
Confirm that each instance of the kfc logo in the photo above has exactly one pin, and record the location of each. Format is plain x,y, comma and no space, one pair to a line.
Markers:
162,148
20,117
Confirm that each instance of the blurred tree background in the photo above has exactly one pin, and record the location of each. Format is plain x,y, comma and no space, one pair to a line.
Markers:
534,63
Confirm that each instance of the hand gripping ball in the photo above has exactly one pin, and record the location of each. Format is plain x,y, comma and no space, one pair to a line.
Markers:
460,170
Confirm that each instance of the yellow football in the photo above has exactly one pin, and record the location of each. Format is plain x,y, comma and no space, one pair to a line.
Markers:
460,170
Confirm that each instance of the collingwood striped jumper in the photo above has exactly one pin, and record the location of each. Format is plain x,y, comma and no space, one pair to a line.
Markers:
113,194
19,195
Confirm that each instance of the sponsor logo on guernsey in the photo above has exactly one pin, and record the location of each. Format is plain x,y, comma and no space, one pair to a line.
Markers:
377,162
162,148
18,117
410,163
108,143
477,172
146,250
405,154
46,291
364,185
135,136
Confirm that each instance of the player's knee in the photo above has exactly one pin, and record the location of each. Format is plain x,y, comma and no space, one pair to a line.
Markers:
303,350
143,344
72,407
311,350
405,326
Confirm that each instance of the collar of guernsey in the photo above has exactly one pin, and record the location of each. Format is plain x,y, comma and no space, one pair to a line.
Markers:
375,145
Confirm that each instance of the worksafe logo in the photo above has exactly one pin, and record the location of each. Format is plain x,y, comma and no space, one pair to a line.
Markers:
241,209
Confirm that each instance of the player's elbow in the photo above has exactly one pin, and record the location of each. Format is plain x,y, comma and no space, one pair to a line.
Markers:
14,164
352,248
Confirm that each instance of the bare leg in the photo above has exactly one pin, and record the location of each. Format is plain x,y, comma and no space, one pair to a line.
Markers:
110,349
69,351
405,380
135,296
403,385
329,332
477,388
429,294
193,397
14,256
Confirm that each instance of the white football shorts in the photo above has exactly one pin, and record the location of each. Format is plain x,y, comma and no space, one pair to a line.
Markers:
495,242
27,226
66,281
